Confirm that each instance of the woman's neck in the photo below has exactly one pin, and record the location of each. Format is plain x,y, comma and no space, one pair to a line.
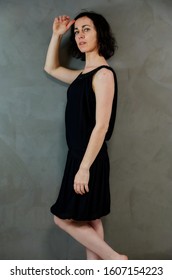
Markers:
94,60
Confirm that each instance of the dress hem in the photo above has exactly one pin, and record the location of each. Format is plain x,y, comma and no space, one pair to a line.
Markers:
69,217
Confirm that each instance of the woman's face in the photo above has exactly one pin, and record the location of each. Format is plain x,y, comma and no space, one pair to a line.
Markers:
85,35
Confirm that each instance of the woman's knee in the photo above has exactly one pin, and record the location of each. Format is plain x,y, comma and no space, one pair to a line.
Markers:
96,223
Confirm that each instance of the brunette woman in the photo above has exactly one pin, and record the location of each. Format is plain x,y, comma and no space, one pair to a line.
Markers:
84,196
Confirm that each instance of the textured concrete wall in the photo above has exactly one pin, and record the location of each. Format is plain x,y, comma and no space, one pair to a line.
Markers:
32,139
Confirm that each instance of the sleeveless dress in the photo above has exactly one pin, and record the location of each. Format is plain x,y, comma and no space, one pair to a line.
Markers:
80,121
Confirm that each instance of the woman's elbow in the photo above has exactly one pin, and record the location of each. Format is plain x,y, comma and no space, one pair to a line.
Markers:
47,70
102,129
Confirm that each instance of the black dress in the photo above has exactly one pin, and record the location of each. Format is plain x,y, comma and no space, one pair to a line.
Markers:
80,121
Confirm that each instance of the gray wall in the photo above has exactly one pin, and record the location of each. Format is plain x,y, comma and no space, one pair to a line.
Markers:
32,137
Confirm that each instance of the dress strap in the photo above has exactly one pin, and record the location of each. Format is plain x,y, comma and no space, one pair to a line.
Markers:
97,69
107,67
103,66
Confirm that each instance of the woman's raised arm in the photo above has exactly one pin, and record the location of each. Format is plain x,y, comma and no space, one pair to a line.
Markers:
52,64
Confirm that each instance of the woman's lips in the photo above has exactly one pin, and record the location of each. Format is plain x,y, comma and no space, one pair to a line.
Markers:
82,43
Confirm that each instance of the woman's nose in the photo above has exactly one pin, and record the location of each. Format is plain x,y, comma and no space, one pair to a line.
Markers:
81,34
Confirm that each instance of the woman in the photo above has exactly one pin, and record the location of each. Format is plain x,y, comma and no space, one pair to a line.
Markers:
84,196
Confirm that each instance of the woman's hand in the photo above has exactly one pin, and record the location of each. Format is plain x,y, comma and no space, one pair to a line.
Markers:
81,181
62,24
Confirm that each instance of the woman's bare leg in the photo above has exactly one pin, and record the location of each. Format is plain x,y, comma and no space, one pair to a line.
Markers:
87,236
98,227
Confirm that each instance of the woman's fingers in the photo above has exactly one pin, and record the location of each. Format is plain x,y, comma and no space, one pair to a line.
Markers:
62,24
81,181
62,18
70,23
86,188
81,188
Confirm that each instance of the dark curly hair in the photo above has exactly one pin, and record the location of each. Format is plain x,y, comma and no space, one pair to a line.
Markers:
106,40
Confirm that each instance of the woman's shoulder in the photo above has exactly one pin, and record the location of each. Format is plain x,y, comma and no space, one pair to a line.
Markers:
105,72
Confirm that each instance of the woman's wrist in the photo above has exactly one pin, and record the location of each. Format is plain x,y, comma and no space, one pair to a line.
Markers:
57,36
84,167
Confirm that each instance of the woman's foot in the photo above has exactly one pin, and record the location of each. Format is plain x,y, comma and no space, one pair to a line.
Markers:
121,257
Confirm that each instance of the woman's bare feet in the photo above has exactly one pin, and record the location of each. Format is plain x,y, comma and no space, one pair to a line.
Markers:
120,257
123,257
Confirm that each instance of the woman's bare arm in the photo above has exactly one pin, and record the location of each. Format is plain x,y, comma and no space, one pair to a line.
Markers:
52,64
103,84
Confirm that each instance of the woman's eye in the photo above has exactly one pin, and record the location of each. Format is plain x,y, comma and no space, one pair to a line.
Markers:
86,29
76,32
